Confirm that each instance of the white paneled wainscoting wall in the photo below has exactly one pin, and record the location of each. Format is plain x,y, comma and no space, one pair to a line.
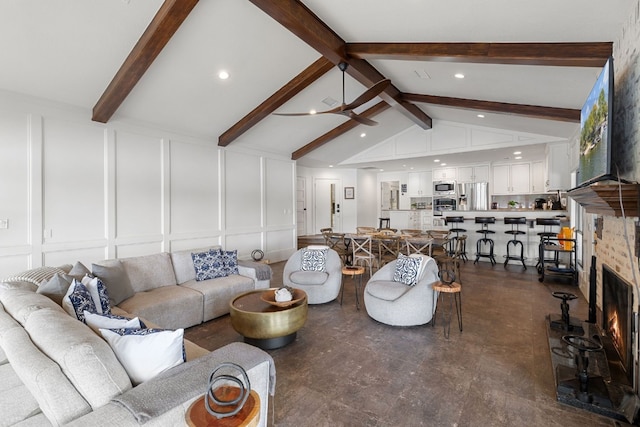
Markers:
72,189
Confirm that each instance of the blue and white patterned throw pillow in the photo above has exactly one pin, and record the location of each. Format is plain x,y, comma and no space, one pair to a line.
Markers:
77,300
407,269
314,259
144,353
98,292
215,263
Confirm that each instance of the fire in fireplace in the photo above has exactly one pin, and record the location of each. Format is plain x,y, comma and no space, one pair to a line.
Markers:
617,317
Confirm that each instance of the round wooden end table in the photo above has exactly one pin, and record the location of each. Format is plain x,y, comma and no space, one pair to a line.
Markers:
353,271
454,290
249,416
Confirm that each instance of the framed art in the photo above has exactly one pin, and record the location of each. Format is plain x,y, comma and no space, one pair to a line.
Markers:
349,193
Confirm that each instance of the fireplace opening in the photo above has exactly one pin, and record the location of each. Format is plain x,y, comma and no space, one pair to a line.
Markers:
617,318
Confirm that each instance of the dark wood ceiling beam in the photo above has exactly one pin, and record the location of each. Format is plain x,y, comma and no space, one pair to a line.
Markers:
336,132
165,23
551,54
302,22
547,113
275,101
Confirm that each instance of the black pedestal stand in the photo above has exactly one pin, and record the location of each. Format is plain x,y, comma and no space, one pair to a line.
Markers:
565,323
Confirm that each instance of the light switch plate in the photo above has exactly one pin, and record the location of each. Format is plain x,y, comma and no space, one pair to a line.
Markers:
4,223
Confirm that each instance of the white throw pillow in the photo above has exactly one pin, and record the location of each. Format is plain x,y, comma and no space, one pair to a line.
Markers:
145,353
110,321
99,294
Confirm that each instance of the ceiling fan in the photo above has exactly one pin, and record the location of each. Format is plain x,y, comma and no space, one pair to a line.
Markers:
347,109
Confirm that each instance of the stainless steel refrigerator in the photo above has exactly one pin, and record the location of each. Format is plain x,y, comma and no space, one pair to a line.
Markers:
473,196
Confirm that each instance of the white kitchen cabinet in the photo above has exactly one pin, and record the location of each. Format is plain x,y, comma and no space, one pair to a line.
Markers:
415,220
473,173
558,171
538,177
420,184
399,219
444,174
512,179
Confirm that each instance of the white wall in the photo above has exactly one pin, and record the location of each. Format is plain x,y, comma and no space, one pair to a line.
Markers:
348,217
73,189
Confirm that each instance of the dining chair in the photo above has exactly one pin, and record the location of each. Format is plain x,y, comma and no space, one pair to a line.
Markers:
388,247
418,245
451,261
411,231
362,251
366,230
339,243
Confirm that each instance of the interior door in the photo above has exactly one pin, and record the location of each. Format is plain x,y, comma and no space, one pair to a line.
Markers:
327,204
301,206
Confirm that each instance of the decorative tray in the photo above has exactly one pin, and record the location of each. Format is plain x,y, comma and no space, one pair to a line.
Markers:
269,296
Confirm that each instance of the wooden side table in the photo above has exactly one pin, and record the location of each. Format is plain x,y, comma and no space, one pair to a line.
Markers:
249,416
454,290
352,271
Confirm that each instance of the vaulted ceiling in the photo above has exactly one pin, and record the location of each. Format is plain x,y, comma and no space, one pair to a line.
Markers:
528,66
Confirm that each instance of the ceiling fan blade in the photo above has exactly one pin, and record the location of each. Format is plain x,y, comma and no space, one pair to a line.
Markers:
360,119
368,95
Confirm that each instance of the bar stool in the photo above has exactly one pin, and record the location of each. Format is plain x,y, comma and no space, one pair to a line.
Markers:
546,233
452,242
515,232
384,223
485,221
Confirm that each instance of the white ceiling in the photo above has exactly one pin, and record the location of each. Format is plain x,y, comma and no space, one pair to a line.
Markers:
69,50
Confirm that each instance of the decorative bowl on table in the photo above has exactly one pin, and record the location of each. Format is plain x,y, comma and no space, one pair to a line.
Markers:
269,296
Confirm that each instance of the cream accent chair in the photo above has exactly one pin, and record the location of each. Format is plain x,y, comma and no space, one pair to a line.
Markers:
320,286
397,304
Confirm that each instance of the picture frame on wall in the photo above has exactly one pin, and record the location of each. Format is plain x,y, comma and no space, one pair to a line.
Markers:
349,193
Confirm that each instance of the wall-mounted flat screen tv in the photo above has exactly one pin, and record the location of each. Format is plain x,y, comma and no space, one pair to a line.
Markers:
595,130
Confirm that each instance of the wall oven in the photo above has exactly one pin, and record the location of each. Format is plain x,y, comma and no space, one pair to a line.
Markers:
443,204
444,188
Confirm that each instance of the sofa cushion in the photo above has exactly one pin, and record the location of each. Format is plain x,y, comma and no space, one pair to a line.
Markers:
387,290
115,278
145,353
218,292
56,396
149,271
170,307
86,359
56,287
183,264
21,303
309,277
77,300
16,402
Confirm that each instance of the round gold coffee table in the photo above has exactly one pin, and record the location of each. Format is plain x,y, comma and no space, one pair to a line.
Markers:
265,325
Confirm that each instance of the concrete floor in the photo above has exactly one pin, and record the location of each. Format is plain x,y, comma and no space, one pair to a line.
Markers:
345,369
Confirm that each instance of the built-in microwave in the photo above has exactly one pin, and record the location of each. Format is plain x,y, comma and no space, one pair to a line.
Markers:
444,188
444,204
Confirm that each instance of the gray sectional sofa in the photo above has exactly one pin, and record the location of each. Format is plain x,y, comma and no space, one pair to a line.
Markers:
55,370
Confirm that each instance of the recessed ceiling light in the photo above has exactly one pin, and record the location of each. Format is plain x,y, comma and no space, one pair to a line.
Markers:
330,166
436,160
362,135
458,76
223,75
481,116
443,164
517,152
381,170
411,168
518,157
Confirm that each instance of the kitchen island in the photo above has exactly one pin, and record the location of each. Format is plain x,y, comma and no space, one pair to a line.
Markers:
530,240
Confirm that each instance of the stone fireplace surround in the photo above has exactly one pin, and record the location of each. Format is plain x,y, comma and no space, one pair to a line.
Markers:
611,248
